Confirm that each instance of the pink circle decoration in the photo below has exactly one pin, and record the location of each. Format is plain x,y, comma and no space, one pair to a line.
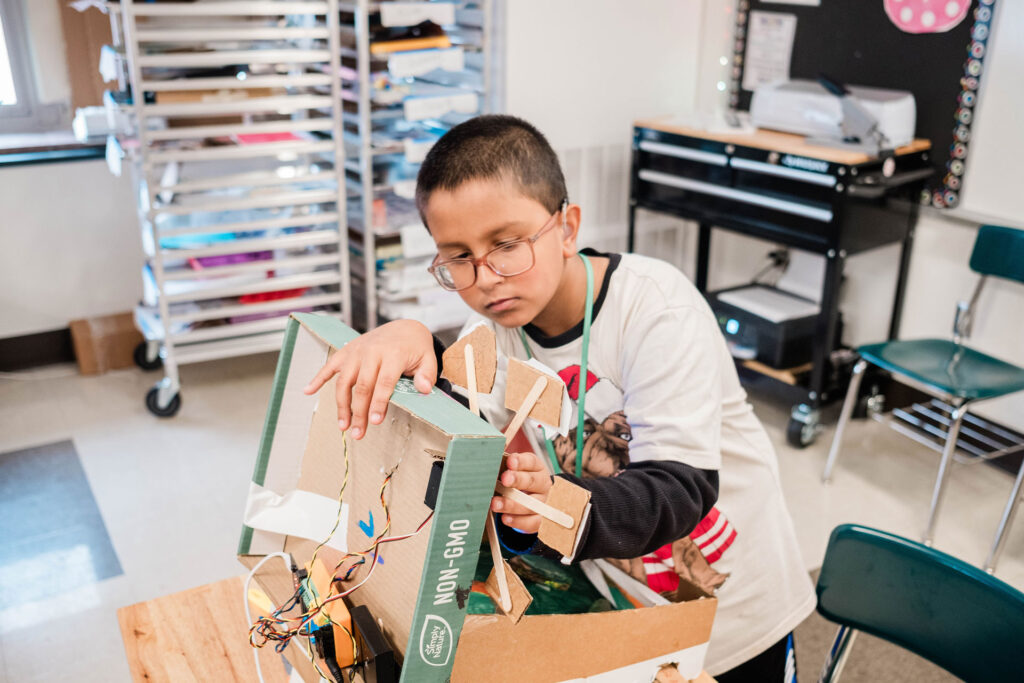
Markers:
926,16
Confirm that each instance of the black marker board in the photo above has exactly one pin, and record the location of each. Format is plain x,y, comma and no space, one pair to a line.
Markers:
856,43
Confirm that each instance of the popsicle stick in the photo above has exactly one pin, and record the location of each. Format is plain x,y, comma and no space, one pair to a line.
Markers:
474,403
541,508
499,564
524,410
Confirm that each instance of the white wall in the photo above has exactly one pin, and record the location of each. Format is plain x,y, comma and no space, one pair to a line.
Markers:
582,71
993,177
69,246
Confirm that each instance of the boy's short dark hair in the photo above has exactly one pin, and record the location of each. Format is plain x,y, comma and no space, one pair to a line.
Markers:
493,146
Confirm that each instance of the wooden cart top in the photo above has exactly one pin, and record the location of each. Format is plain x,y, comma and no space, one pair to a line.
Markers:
786,143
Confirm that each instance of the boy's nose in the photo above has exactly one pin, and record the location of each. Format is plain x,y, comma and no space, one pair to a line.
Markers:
486,278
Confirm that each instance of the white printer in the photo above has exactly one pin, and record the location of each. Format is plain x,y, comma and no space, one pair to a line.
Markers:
829,114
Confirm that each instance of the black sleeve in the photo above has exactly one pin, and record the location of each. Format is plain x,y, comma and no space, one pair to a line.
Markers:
648,505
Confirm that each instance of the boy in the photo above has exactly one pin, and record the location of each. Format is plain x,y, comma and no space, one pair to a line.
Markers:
666,430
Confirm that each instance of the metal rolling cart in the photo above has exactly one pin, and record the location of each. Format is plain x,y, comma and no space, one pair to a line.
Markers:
235,123
776,187
410,71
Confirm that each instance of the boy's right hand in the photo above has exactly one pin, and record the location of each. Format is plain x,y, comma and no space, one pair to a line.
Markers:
369,367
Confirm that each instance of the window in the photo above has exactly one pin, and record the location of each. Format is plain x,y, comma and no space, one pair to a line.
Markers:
20,109
8,95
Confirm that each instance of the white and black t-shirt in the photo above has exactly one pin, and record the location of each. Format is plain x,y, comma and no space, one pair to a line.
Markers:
668,427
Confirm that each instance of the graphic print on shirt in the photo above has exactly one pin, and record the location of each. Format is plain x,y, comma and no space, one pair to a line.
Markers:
606,438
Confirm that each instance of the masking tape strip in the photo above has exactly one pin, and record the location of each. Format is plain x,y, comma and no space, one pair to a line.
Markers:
297,513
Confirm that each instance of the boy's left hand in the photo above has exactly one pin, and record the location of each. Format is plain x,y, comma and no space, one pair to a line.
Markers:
526,472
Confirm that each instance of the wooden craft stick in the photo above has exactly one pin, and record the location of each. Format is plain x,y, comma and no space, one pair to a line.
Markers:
474,403
541,508
499,566
524,409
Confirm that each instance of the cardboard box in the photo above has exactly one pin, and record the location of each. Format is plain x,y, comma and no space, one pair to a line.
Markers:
105,343
417,591
420,590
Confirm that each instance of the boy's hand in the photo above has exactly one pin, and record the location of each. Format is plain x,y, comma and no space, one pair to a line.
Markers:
527,473
370,366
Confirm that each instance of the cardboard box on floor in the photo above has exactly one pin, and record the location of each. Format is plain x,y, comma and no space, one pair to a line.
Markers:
419,591
105,342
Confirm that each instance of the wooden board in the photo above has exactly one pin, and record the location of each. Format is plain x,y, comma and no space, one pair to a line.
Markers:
195,635
787,143
84,34
787,375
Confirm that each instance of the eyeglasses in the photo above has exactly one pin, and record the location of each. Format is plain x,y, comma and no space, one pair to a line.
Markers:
505,260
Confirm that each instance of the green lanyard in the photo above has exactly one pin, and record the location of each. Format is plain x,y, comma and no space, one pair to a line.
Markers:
581,403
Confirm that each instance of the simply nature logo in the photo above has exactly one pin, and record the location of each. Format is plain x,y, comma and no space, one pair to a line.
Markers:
436,641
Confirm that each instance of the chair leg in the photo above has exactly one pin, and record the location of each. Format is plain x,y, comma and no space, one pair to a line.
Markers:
1004,524
957,418
837,655
844,417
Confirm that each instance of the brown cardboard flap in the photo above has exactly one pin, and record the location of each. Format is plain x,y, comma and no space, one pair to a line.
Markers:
85,33
567,646
572,500
485,357
521,378
521,597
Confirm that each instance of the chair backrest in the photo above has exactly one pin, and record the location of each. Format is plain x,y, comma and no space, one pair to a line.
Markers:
999,251
941,608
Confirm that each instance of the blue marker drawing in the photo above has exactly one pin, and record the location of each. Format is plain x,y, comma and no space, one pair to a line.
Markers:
367,527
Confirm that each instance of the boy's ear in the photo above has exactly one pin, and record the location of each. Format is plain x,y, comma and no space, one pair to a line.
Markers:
571,229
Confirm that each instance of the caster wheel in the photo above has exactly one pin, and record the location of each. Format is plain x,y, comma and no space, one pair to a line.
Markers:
153,404
800,434
868,406
142,360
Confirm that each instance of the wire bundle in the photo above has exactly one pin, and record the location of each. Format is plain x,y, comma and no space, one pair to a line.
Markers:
280,629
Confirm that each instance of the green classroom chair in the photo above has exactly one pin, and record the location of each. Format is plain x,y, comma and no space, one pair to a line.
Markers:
930,603
949,370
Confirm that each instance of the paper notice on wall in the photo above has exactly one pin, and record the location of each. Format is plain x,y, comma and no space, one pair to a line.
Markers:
769,48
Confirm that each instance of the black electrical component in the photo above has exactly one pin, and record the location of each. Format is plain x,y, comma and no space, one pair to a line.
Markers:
433,484
378,658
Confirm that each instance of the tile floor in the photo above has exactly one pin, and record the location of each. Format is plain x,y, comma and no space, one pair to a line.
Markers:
171,493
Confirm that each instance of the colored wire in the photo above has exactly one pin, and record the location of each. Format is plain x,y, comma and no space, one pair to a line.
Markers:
245,597
281,630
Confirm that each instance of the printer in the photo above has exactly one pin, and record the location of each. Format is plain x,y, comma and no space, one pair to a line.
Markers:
870,119
774,324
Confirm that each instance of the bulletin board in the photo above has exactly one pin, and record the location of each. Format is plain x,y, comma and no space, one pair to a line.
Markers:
875,43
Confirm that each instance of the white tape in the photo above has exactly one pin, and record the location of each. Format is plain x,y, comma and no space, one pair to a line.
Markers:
579,535
298,513
627,583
